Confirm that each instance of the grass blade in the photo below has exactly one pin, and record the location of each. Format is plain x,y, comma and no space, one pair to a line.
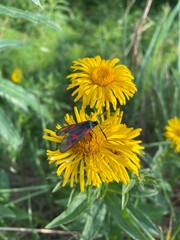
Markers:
10,43
34,17
8,132
18,95
94,221
78,205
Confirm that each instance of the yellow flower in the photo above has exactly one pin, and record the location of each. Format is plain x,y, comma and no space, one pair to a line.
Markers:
172,132
16,75
95,158
100,82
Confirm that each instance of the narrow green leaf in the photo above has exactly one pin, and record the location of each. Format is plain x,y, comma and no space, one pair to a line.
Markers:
34,17
125,198
10,43
33,188
125,192
58,186
78,205
8,132
145,193
122,218
143,221
176,234
128,186
94,221
148,55
18,95
166,26
37,2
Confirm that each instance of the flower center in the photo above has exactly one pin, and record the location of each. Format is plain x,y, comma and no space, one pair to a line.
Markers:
102,76
178,132
89,145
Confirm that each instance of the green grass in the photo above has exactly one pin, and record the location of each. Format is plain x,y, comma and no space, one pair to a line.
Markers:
43,43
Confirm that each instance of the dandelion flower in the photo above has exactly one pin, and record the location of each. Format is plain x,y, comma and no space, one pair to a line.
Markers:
97,159
172,132
16,75
100,83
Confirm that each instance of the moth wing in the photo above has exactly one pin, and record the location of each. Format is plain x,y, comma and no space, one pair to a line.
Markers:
66,129
71,139
73,128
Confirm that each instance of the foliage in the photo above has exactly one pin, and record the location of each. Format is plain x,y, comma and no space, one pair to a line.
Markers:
42,38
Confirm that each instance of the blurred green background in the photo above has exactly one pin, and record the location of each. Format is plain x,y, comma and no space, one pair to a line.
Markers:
42,43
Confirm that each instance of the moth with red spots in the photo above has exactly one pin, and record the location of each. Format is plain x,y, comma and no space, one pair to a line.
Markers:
74,133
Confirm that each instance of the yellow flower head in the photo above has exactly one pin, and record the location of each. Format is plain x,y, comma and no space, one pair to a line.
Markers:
172,132
95,158
16,75
100,82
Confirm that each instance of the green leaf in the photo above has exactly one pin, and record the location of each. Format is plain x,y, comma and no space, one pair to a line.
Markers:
8,132
4,179
4,183
94,220
34,17
20,213
123,218
5,212
37,2
10,43
18,95
78,205
115,187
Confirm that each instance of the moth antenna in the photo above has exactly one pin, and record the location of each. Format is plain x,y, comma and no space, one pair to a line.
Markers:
102,132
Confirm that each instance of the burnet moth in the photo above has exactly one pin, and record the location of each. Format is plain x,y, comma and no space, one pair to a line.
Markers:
74,133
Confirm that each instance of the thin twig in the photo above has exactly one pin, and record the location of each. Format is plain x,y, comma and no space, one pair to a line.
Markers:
168,235
138,33
38,230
